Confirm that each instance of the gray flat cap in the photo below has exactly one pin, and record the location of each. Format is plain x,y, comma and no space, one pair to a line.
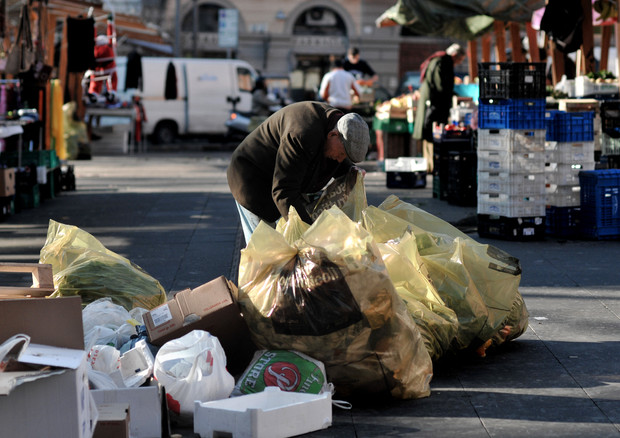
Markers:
355,136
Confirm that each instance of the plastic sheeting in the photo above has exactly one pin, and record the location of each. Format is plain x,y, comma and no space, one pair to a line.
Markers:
456,18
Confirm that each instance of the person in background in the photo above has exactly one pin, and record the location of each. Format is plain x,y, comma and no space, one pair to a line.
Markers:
359,68
337,86
295,152
262,105
435,95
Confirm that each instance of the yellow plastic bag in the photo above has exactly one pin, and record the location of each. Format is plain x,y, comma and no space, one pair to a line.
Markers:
438,324
345,192
83,266
328,296
479,282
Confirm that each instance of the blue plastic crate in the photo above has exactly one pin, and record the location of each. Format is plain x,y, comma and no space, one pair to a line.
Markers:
600,203
570,126
511,114
550,124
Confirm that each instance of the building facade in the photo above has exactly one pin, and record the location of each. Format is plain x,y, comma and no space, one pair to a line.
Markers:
293,38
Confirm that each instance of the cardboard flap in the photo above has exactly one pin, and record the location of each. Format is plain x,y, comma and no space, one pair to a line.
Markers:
11,380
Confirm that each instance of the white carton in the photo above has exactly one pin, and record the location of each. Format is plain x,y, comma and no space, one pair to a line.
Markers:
269,414
405,164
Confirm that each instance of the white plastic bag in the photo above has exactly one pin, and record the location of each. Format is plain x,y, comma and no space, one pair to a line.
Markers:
193,368
106,323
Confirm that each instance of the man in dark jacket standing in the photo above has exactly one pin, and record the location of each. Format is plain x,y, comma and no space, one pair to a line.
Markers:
296,151
435,94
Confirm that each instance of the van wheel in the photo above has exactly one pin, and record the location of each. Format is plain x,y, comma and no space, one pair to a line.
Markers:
165,132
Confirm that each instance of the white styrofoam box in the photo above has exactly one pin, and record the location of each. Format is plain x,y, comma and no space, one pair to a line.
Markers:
405,164
569,152
514,162
512,140
511,206
566,174
272,413
144,408
584,86
609,145
511,183
563,195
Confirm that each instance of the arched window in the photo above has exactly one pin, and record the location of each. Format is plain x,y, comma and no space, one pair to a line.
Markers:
207,18
320,21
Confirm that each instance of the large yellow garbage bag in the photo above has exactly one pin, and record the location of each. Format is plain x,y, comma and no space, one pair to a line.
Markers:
329,296
438,324
83,266
479,282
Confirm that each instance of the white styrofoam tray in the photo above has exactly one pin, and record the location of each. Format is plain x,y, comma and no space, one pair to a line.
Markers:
269,414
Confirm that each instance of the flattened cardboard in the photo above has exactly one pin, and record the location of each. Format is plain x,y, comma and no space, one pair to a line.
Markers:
210,307
55,322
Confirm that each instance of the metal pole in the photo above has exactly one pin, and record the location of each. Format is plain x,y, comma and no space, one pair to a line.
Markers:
195,29
177,29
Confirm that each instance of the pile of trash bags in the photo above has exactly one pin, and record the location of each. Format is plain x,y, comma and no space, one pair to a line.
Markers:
377,293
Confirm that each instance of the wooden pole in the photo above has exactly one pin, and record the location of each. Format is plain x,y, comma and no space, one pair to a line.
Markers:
500,41
533,42
587,47
605,43
472,53
486,47
515,42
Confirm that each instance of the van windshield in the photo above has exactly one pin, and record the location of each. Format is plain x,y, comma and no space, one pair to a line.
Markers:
246,79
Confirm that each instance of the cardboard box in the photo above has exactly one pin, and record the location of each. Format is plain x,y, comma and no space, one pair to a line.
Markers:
144,407
54,403
210,307
7,181
272,413
113,421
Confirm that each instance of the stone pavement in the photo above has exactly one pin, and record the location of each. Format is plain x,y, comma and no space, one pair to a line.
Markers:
171,213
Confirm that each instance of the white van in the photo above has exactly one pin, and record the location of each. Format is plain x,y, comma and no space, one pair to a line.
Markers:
205,92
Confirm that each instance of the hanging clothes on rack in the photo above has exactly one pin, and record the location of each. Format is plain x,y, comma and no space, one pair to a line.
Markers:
170,88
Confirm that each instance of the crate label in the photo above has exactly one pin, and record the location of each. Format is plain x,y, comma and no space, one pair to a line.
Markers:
528,231
161,315
528,79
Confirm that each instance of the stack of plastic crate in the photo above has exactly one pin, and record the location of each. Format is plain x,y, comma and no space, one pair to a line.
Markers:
511,150
569,149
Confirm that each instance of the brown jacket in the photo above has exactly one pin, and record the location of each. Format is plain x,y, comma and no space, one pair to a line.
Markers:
283,159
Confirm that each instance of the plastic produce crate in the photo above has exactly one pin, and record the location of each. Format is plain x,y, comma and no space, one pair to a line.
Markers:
610,118
501,204
566,173
600,203
512,184
569,152
506,80
567,127
563,196
562,221
462,187
511,114
511,228
514,140
514,162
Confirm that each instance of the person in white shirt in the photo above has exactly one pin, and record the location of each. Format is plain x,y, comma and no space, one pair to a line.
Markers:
337,87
